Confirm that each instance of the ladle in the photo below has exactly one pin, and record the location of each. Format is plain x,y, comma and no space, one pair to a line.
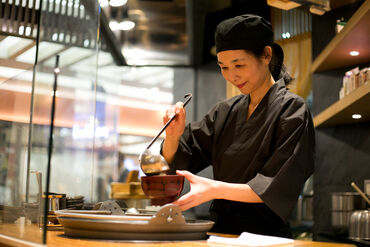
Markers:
362,194
155,164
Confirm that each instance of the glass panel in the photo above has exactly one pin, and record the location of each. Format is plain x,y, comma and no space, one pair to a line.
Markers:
19,214
68,104
95,118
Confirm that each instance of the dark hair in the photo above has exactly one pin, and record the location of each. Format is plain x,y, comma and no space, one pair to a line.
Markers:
276,66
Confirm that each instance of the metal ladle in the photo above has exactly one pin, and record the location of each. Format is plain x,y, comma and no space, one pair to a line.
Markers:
155,164
362,194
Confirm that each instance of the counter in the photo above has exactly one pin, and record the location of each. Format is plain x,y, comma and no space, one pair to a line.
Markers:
57,238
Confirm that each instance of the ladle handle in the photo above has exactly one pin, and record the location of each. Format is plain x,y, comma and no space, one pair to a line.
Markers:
188,97
360,191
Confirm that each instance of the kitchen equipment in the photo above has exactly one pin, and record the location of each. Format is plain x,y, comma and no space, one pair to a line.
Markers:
346,201
343,205
110,206
162,189
359,227
75,202
155,164
130,192
367,187
340,220
33,210
307,207
167,224
55,201
362,194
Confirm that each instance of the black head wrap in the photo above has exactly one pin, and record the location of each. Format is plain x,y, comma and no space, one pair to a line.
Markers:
245,32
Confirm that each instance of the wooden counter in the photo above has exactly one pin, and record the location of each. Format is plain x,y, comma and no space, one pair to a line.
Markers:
57,238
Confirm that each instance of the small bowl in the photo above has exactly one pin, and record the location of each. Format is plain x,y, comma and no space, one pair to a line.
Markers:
162,189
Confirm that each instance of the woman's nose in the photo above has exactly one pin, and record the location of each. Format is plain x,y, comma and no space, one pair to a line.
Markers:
233,76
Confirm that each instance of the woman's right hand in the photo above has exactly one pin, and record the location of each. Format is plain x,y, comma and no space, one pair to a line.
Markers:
177,126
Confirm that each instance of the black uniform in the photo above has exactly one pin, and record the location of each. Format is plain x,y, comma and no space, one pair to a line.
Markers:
272,151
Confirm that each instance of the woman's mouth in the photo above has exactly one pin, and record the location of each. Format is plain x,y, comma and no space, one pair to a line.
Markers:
241,85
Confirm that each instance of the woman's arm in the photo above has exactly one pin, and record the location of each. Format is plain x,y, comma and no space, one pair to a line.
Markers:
204,189
169,148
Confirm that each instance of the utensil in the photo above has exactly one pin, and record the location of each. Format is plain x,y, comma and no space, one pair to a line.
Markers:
362,194
155,164
359,227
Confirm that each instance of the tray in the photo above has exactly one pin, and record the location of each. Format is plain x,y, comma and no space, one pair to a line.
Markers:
167,224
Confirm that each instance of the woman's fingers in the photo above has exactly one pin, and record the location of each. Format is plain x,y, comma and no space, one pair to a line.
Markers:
188,175
186,201
177,126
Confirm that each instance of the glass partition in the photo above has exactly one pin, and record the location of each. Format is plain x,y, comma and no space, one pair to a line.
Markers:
68,106
75,122
17,211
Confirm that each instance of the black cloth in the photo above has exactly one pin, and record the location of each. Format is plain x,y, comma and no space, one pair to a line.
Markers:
246,32
272,151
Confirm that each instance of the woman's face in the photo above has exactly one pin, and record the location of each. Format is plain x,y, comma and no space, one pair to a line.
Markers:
244,70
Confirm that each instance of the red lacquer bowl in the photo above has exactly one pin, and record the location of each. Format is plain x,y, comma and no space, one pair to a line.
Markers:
162,189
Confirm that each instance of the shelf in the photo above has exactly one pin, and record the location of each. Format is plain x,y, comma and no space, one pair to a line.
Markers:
354,36
340,112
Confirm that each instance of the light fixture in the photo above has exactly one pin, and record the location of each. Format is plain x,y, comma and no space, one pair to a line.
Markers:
356,116
117,3
113,25
285,35
103,3
354,53
126,25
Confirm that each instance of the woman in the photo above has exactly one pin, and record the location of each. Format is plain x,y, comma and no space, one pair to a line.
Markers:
260,143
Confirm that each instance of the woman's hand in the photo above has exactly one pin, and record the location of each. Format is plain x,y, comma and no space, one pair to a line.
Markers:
177,126
173,131
205,189
201,190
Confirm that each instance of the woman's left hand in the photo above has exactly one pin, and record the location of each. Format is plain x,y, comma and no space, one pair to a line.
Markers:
201,190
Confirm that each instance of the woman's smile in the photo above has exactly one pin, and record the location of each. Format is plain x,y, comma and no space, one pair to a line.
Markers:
241,85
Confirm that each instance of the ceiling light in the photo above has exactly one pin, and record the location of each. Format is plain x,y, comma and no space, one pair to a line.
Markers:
117,3
103,3
354,53
126,25
114,26
356,116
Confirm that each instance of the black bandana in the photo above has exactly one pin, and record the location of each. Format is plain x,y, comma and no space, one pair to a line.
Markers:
245,32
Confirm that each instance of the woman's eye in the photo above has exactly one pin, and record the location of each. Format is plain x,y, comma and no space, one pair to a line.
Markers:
239,66
223,68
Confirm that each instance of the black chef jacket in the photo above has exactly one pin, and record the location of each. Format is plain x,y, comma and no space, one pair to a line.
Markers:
272,151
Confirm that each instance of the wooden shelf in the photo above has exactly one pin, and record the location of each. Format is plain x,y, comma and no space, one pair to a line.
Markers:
354,36
340,113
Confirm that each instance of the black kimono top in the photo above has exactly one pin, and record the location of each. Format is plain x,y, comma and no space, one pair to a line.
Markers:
272,151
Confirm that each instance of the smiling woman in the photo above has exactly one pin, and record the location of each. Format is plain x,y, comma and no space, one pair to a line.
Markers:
260,143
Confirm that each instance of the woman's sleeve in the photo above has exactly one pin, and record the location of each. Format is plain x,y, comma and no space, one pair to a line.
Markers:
281,180
195,148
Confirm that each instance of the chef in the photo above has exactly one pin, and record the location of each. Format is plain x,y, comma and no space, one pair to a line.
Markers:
260,143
